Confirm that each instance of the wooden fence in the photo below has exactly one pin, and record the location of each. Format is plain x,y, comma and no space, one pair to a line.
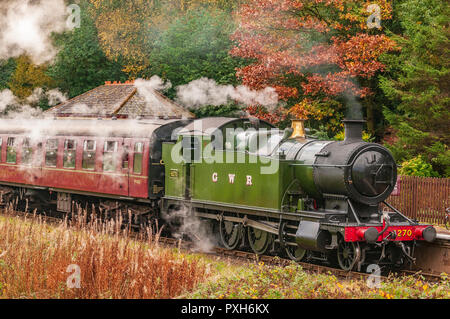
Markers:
422,198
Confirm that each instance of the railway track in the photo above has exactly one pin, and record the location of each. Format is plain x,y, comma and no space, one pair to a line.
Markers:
245,256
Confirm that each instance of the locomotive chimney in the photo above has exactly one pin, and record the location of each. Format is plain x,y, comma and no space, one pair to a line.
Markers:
298,128
353,130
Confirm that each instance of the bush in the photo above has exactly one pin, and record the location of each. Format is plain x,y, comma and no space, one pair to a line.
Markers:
341,135
417,166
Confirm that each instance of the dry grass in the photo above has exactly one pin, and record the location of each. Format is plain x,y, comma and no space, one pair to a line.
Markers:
34,259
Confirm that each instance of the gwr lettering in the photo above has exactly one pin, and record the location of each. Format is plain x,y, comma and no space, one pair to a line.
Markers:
251,308
231,178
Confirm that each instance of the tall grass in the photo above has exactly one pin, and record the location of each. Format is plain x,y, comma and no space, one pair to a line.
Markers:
35,256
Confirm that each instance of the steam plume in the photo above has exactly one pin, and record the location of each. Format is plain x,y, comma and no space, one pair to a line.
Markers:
26,26
205,91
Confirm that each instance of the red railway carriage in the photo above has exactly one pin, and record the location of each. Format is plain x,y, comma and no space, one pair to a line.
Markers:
118,159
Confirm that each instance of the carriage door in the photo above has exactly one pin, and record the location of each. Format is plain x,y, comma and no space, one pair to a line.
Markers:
126,161
138,167
112,180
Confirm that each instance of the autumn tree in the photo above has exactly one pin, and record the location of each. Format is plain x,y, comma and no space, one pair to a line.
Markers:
123,30
316,54
27,77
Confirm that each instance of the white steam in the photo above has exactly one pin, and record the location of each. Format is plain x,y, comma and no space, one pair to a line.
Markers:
12,107
206,91
146,89
55,97
183,224
7,98
26,26
155,83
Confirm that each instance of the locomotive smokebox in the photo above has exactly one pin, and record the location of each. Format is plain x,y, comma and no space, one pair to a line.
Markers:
364,172
353,130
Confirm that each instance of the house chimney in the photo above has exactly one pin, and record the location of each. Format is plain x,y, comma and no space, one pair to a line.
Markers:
353,130
298,128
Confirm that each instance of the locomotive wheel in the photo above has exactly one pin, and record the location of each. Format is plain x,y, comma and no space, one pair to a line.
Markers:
230,234
259,240
294,252
348,254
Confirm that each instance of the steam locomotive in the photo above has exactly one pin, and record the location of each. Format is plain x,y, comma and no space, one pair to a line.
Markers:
276,191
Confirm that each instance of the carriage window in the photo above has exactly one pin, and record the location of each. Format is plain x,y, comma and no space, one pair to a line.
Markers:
27,152
11,155
51,153
1,144
125,157
109,156
138,155
89,148
70,153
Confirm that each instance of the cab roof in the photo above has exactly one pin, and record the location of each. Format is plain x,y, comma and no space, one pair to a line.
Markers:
207,126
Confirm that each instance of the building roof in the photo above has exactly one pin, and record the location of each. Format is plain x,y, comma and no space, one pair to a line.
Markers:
120,100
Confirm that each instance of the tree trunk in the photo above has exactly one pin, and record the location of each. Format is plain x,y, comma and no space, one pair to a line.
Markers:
370,117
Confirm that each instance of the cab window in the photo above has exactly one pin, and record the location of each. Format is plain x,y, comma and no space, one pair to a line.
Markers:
70,147
27,152
89,149
138,156
109,156
51,152
191,146
11,155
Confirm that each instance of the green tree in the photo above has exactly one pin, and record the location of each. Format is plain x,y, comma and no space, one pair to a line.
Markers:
419,84
7,68
195,45
81,64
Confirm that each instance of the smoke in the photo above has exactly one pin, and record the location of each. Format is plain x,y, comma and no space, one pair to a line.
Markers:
206,91
155,83
7,98
55,97
146,89
13,107
182,224
354,107
26,27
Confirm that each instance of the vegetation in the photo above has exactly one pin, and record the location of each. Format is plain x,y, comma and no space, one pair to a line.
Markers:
82,47
418,84
259,281
195,45
35,259
38,260
417,167
322,57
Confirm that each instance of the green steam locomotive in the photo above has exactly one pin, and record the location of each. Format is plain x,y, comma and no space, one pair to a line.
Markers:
282,192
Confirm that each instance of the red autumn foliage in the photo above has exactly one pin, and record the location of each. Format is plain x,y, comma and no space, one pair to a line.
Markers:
309,48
